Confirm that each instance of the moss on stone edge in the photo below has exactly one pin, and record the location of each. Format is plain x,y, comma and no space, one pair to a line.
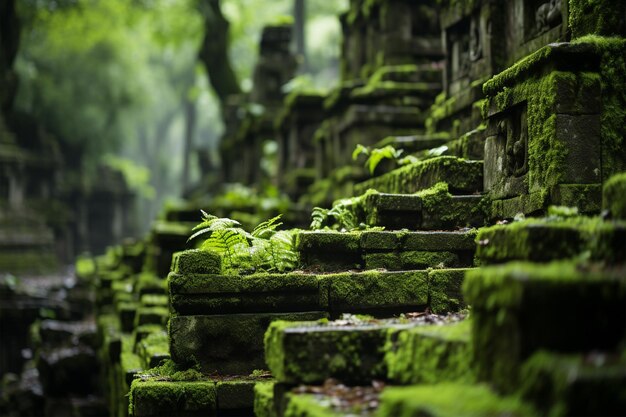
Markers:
449,400
164,398
264,399
614,196
445,290
431,354
307,405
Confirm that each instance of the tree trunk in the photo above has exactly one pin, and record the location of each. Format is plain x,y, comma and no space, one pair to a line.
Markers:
214,51
190,125
299,12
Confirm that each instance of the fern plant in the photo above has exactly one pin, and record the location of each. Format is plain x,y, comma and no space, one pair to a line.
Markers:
265,249
376,155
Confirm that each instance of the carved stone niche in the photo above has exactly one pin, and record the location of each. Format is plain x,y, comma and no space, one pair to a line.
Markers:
506,149
540,16
466,46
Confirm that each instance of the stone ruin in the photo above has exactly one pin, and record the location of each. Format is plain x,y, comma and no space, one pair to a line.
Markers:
485,277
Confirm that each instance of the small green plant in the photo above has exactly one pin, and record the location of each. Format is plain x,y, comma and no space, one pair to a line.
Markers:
265,249
342,215
376,155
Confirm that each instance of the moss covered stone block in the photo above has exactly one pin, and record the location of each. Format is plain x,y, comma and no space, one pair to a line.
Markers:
151,315
462,176
329,251
308,353
127,312
435,210
520,308
264,399
235,397
542,240
227,344
408,260
614,196
375,292
445,293
153,349
449,399
153,398
154,300
431,354
257,293
432,241
581,385
196,261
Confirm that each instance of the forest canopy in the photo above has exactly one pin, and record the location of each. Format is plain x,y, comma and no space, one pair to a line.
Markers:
117,80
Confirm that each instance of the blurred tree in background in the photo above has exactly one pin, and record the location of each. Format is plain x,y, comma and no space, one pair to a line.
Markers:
118,82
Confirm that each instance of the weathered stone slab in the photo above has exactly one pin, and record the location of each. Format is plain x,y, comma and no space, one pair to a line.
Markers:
307,353
412,260
227,344
153,349
419,241
329,251
219,294
538,306
431,354
235,397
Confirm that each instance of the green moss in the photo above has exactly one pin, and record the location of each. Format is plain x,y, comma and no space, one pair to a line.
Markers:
614,196
431,354
516,310
599,17
351,292
447,400
306,405
264,399
154,300
85,267
161,398
313,352
561,385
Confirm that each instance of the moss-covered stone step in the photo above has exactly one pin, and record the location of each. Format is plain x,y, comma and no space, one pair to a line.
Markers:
332,251
552,238
449,399
431,354
592,384
308,353
154,398
226,344
373,292
520,308
220,294
462,176
437,210
194,395
614,196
